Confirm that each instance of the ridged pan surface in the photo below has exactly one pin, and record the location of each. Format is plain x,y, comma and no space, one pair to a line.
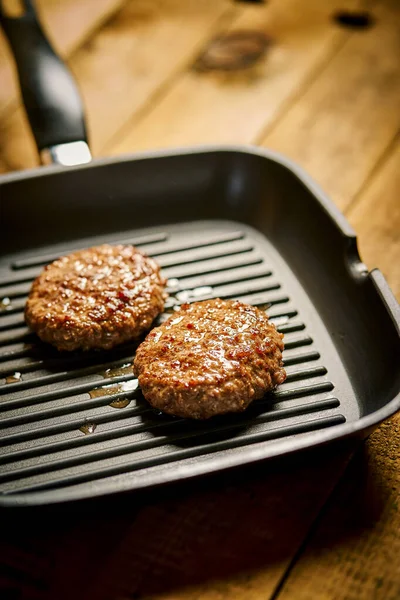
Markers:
69,420
246,224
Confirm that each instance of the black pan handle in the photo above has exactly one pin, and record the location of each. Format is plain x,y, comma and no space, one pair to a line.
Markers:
51,97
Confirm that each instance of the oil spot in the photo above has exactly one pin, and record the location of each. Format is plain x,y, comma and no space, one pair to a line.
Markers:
168,310
106,390
354,19
233,51
200,293
264,305
120,403
129,386
87,428
5,304
279,321
166,315
251,1
110,390
125,369
173,284
14,378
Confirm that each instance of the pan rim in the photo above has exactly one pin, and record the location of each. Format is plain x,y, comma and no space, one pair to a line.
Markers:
249,149
250,454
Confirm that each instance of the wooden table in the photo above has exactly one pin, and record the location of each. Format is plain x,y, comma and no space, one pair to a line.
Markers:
328,96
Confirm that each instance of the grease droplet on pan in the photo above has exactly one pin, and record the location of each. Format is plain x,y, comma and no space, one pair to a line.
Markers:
87,428
125,369
5,304
14,378
105,390
120,403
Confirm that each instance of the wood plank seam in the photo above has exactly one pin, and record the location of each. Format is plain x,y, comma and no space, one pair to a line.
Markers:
140,28
307,83
221,23
199,103
5,165
300,91
330,499
96,26
330,126
358,196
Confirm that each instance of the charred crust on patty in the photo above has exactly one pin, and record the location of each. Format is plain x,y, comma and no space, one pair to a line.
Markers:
96,298
210,358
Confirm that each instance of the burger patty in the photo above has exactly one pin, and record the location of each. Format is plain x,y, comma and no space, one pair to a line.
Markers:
96,298
210,358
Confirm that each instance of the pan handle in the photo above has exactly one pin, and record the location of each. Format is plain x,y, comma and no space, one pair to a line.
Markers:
50,94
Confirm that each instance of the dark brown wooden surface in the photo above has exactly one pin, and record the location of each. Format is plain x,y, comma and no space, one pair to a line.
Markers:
325,526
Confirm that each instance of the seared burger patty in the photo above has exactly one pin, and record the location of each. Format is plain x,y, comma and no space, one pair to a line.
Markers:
210,358
95,298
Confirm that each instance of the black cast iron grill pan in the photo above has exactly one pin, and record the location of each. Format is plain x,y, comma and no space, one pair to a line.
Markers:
228,222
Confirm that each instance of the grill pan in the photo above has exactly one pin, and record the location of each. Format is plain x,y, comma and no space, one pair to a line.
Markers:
230,222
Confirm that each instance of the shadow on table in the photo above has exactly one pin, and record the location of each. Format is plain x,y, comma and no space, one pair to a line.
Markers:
220,529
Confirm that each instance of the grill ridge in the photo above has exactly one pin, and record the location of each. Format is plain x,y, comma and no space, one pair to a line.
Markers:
42,446
134,465
125,448
44,259
123,430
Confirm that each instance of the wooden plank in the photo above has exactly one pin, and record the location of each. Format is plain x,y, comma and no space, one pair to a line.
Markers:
232,106
237,541
234,540
67,24
3,167
376,219
131,58
344,121
124,64
354,552
17,143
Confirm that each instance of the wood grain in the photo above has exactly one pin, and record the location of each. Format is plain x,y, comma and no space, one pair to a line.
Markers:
222,107
233,541
67,24
354,553
123,66
329,98
375,217
345,120
127,63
